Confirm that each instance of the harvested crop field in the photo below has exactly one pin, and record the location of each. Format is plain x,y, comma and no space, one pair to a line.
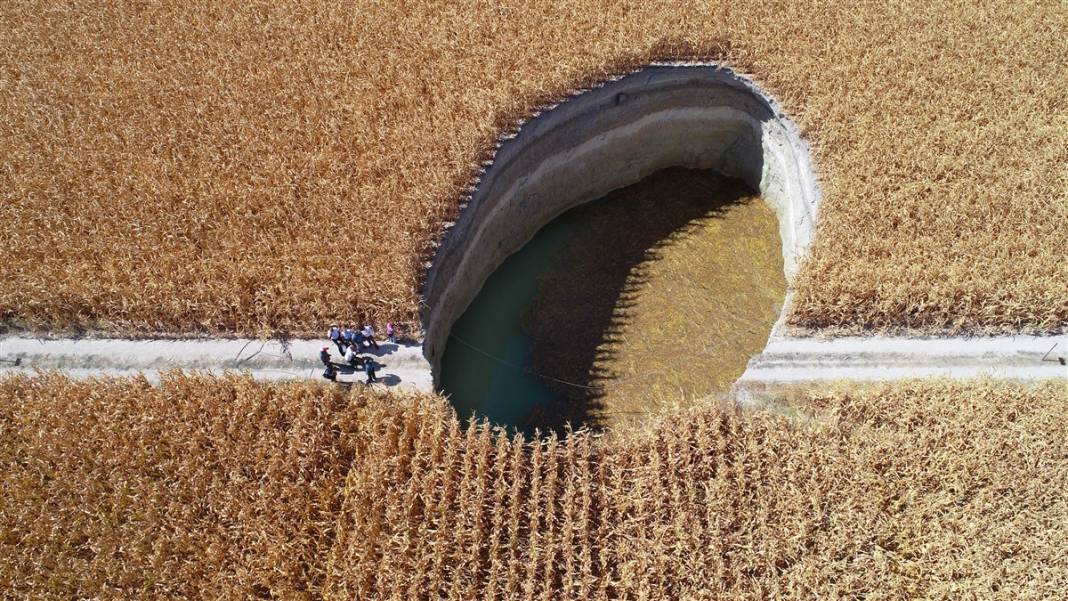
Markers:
227,488
184,168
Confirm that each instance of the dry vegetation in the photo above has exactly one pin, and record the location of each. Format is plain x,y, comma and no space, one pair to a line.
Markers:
198,488
937,492
184,167
227,489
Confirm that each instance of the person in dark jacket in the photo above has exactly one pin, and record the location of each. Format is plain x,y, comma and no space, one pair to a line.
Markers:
352,334
324,356
371,367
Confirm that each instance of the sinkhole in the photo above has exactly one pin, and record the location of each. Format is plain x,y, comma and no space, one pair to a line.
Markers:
626,252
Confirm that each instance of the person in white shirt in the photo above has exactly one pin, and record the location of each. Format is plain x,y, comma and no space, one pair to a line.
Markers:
351,357
334,334
369,335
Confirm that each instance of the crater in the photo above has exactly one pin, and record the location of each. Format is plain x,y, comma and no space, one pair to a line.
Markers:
696,117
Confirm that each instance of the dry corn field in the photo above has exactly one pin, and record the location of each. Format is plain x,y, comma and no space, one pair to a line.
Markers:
207,488
186,167
193,489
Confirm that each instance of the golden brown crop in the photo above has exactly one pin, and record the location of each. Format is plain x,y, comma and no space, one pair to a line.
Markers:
191,167
198,488
225,488
940,491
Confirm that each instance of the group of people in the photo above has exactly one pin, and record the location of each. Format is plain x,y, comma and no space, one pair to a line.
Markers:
350,343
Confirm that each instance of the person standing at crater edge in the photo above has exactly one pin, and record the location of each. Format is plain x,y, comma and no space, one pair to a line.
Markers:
348,336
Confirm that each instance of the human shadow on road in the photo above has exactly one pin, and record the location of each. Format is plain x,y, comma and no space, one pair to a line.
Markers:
390,379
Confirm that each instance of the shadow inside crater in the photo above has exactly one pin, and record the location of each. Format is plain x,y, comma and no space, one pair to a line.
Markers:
535,351
588,294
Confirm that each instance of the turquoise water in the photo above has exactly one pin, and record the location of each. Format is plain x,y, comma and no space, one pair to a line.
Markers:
486,365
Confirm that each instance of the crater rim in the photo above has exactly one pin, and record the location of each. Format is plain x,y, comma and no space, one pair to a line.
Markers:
697,115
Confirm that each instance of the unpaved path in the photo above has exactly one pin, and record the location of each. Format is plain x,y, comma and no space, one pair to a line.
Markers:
403,365
785,360
884,358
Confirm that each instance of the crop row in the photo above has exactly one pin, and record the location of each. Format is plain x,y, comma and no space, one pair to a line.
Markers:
226,488
271,167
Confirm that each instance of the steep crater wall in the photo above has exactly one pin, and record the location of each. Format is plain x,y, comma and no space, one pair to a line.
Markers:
615,135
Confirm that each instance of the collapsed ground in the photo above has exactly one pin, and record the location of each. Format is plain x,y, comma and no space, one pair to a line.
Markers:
688,294
227,488
673,316
186,169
